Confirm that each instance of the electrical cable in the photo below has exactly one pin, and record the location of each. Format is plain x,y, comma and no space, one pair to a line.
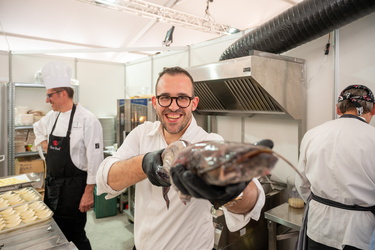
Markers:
6,39
326,52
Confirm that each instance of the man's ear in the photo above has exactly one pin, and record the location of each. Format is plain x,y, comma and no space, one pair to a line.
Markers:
195,102
153,100
372,112
338,112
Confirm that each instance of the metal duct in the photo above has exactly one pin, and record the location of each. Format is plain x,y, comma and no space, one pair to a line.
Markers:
300,24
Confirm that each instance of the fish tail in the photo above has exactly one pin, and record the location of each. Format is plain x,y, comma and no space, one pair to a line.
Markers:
165,195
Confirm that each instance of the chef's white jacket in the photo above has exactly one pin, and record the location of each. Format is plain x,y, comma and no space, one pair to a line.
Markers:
181,226
86,139
338,159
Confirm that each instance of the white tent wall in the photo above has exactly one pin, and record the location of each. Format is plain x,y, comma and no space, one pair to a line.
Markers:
350,61
100,85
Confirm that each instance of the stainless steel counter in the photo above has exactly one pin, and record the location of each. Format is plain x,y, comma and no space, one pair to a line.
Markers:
44,235
284,215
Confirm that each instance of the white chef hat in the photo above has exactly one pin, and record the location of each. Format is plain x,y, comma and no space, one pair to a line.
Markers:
56,75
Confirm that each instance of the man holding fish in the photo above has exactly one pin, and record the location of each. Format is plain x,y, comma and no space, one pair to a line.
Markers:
186,225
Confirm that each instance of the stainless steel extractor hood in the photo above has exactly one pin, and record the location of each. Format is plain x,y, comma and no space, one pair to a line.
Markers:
262,83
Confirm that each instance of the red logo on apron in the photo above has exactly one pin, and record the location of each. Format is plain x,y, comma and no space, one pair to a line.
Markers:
55,143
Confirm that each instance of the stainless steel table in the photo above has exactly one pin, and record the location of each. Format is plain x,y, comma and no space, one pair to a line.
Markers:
283,215
44,235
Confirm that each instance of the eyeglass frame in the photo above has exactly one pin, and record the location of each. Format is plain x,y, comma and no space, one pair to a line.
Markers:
51,94
174,98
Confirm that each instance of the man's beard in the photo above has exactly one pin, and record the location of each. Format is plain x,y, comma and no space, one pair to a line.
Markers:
167,126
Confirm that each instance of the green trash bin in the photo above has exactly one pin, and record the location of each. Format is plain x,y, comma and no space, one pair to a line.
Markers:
104,208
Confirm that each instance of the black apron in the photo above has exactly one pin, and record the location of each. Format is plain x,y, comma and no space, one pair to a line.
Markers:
65,185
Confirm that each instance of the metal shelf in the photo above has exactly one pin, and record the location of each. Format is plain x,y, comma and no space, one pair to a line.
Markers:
11,115
29,85
23,127
28,153
11,126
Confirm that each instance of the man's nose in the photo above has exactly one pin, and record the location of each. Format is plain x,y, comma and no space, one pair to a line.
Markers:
174,105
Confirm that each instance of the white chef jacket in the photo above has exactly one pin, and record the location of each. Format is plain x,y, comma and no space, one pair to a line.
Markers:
86,138
181,226
338,159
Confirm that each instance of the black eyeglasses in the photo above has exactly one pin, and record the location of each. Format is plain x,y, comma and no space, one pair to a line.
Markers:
51,94
182,101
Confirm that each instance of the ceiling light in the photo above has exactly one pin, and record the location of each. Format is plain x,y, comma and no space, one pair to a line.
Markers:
233,30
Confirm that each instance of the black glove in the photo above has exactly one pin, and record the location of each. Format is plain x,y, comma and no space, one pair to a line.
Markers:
150,163
265,143
191,184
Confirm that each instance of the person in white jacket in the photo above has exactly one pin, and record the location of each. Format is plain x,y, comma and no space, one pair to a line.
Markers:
337,160
180,226
72,137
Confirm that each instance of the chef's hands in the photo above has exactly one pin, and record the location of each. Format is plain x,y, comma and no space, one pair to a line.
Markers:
150,163
87,200
190,184
44,145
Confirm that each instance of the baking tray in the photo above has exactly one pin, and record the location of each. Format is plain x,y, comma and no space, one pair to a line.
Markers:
21,213
18,196
18,181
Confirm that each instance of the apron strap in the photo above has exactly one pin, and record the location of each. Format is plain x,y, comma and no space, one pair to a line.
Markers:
301,243
54,125
71,120
340,205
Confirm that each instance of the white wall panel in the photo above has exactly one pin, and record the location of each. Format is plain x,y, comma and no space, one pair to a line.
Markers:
210,51
24,67
283,132
100,85
139,75
229,127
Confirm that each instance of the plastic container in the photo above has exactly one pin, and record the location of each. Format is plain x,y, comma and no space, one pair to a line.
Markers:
294,199
104,208
26,119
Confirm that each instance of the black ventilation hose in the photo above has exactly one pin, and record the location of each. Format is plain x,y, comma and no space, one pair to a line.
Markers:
300,24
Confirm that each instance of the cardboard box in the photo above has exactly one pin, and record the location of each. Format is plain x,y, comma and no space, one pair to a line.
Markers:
23,166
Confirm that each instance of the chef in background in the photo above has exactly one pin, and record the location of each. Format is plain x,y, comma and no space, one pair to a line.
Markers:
73,139
181,226
338,160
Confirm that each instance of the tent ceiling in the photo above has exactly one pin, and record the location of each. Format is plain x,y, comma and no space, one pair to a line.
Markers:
79,29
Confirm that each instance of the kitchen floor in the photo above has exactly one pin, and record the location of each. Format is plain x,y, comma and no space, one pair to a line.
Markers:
113,232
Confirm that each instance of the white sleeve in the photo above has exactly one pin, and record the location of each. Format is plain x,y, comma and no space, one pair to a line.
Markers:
302,185
128,149
93,139
41,128
237,221
102,178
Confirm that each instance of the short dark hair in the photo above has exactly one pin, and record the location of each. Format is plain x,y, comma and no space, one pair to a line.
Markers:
68,90
174,71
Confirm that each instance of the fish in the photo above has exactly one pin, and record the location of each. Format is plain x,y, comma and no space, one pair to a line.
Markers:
218,163
163,171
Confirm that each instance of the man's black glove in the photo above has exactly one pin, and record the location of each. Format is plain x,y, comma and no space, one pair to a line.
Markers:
265,143
191,184
150,163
